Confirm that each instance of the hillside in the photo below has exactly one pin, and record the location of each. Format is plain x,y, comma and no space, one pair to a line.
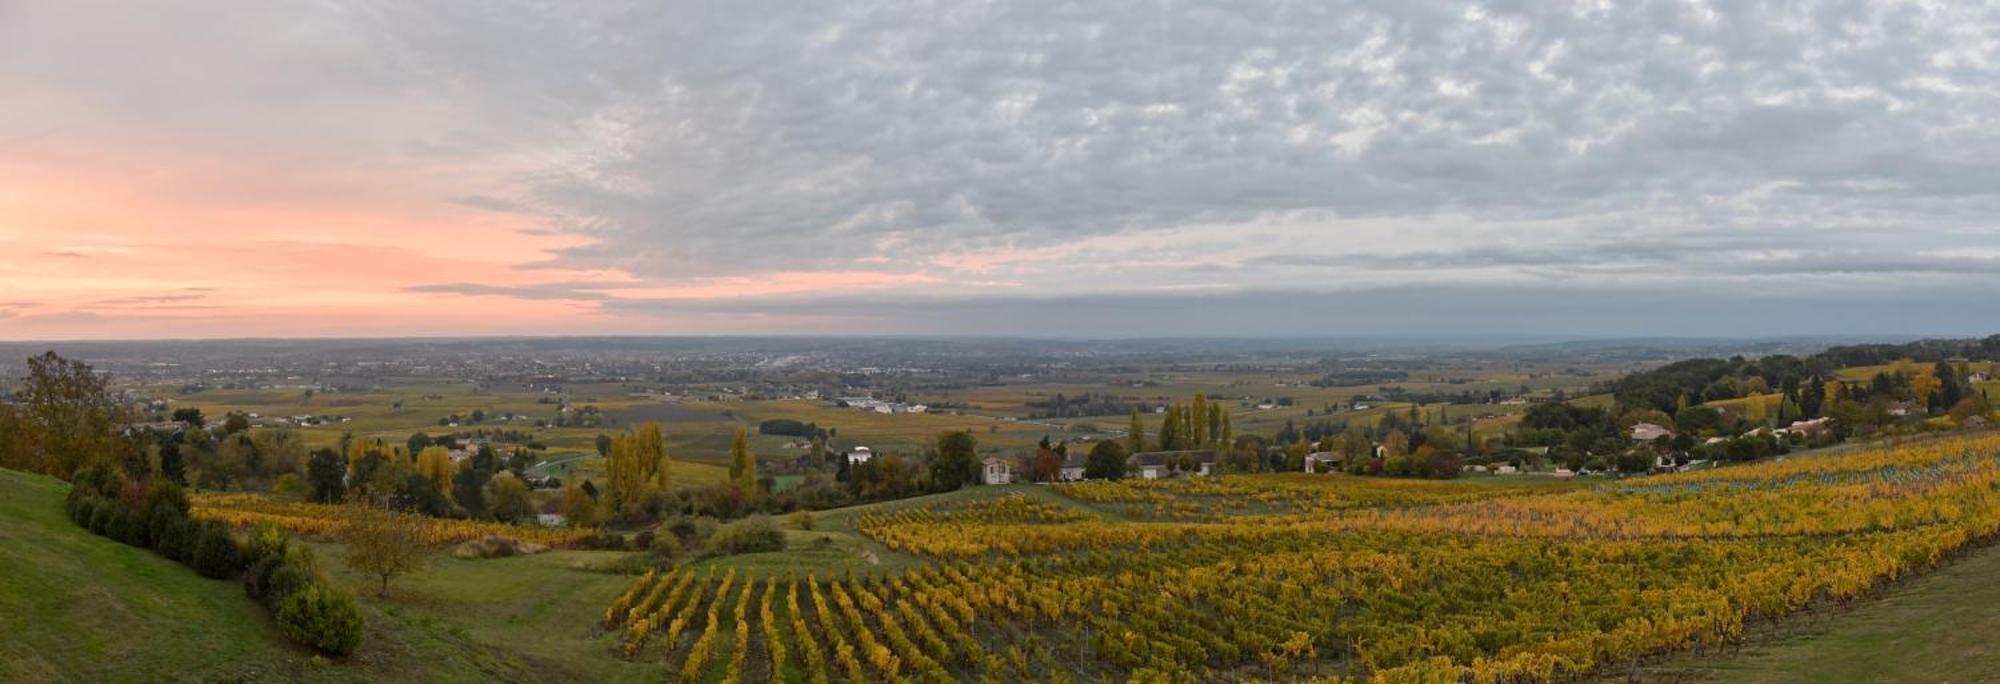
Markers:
78,607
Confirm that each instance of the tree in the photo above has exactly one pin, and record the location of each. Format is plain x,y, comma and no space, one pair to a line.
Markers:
1135,435
468,489
15,452
71,417
1105,462
742,463
418,442
326,476
416,493
1198,417
957,461
434,462
1047,466
192,416
1170,429
1924,384
509,498
379,545
638,468
173,465
236,422
603,446
577,505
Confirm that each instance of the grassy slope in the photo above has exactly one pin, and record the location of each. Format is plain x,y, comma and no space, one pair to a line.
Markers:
1934,628
78,607
531,618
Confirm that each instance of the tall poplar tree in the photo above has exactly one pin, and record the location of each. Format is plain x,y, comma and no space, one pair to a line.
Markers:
742,463
1135,434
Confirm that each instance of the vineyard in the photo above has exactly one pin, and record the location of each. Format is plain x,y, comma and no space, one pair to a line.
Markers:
319,520
1345,579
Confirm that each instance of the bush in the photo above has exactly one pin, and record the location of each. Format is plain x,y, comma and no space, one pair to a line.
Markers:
277,576
750,535
183,534
802,519
257,579
100,479
321,617
159,528
128,527
265,541
692,530
287,577
606,540
165,495
80,508
102,512
215,554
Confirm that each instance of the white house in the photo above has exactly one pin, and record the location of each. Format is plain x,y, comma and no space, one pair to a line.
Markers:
1322,462
1810,428
859,455
1647,432
997,471
1072,468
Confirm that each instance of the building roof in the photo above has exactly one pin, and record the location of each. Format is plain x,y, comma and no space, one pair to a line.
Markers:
1161,458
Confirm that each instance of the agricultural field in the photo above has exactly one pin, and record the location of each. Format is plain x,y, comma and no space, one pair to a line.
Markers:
1482,579
699,421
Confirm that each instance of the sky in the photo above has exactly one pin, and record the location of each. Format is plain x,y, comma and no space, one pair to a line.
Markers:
1096,168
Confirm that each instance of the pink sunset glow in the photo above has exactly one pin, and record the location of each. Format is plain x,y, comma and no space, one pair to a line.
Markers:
147,247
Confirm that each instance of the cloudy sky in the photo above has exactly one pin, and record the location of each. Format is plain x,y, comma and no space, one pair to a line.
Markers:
1099,168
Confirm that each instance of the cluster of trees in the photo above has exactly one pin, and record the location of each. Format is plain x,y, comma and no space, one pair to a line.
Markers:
1702,380
1354,377
586,417
1200,424
428,482
792,428
1407,447
1086,404
1921,351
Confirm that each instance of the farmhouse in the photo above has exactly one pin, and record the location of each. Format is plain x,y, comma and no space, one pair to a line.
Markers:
1810,428
1647,432
997,471
859,455
1323,462
1072,468
1152,465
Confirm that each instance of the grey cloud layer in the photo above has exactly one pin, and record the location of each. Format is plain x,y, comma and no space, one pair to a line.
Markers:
718,137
